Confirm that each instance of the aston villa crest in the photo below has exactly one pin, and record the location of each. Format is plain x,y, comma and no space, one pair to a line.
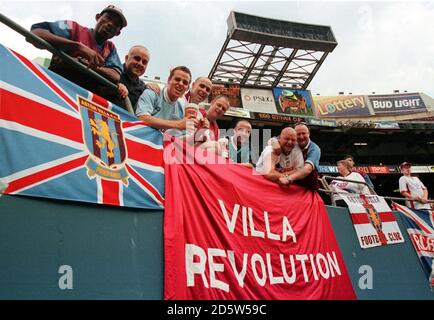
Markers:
102,132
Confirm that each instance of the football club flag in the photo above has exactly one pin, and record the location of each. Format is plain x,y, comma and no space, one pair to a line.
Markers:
373,220
58,140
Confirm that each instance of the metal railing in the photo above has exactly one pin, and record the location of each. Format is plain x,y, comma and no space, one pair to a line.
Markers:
42,44
328,190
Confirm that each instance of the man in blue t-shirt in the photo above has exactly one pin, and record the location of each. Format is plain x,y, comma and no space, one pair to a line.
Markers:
166,111
308,175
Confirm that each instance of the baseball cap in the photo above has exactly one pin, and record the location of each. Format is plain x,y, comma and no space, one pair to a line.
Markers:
405,164
118,11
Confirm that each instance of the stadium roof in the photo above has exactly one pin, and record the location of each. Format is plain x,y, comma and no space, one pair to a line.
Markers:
265,52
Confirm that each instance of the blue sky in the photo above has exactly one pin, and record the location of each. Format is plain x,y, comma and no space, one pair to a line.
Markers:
383,46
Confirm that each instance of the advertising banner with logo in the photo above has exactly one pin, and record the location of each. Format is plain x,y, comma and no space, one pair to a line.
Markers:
223,243
341,106
232,91
258,100
379,169
395,104
419,169
362,169
296,102
321,122
276,117
387,125
373,220
327,169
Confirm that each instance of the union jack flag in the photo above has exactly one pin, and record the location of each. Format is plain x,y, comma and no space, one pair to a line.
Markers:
58,140
420,229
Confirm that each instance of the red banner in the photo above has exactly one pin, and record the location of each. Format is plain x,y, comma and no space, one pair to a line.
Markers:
230,234
378,169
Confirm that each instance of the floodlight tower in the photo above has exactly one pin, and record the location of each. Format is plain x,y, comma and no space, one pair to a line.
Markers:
263,52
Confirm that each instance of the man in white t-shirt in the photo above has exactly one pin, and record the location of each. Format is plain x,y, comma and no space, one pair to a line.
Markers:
285,156
413,189
347,187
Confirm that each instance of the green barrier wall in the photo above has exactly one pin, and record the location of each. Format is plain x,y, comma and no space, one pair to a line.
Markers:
118,253
396,270
114,253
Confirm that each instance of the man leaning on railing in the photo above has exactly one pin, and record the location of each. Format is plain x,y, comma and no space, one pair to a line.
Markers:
347,187
90,47
413,189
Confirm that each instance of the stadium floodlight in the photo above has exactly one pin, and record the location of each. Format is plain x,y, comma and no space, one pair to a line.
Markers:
271,52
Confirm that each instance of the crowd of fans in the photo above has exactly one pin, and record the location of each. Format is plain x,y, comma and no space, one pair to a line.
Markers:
292,157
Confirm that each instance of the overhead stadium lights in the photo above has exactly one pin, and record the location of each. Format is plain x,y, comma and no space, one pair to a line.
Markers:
360,143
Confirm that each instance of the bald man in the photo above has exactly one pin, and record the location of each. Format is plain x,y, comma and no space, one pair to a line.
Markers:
200,90
307,176
277,159
136,62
